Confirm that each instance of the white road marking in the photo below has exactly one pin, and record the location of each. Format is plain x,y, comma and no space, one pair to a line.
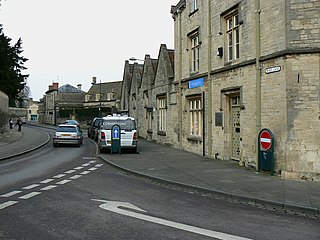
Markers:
59,176
10,194
7,204
92,161
85,172
70,171
31,186
99,165
78,168
63,182
115,207
48,187
47,180
29,195
88,158
92,169
85,164
76,177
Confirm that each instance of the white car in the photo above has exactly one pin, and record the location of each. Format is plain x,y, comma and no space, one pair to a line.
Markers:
128,133
67,134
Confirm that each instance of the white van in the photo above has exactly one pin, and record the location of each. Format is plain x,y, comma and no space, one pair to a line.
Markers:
129,134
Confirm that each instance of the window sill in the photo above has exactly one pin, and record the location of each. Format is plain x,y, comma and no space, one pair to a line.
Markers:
195,139
193,12
161,133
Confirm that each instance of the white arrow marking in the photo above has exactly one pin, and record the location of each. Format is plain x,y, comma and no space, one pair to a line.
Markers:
115,207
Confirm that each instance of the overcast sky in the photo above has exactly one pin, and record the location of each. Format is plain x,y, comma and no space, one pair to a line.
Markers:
70,41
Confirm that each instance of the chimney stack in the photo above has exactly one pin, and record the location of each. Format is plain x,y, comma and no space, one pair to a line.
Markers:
50,87
79,87
94,80
55,86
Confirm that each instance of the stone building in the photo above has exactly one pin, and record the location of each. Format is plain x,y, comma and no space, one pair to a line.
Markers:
59,104
239,67
248,65
105,96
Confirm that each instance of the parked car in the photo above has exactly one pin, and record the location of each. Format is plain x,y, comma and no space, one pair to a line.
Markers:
129,134
72,122
67,134
94,127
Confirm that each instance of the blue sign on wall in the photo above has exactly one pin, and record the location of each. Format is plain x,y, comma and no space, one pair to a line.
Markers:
196,83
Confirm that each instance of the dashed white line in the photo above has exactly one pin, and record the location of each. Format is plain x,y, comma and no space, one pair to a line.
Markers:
7,204
31,186
88,158
76,177
70,171
48,187
92,169
85,172
63,182
59,176
92,161
78,168
85,164
10,194
29,195
99,165
47,180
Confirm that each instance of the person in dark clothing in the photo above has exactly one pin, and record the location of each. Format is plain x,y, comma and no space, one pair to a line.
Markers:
10,123
19,123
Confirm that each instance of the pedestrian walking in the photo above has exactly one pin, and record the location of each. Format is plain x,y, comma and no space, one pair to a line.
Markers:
10,123
19,123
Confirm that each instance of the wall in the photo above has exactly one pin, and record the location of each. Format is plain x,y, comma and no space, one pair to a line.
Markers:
4,110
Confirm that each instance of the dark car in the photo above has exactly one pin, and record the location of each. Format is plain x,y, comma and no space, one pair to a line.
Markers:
94,127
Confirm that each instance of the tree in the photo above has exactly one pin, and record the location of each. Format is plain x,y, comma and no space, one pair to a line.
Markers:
12,80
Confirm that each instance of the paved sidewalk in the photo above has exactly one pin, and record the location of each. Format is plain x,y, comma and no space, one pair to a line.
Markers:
14,143
189,170
219,177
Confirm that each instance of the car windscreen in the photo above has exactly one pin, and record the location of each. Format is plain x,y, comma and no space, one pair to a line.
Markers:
125,124
66,129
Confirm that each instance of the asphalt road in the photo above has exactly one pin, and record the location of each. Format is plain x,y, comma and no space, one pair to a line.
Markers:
68,193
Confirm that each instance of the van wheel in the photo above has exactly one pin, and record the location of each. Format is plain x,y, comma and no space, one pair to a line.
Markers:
55,145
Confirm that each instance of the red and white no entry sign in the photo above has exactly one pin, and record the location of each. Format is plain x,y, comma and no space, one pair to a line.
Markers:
265,140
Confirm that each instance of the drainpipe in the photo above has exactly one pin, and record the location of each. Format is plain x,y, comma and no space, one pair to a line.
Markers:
209,82
180,79
258,71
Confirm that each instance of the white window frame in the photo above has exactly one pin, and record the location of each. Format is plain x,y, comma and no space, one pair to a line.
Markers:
195,52
233,37
162,113
195,116
194,5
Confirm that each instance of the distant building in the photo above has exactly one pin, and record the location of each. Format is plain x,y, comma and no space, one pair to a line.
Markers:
32,111
104,96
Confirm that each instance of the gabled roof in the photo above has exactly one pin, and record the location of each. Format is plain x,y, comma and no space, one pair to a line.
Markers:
107,87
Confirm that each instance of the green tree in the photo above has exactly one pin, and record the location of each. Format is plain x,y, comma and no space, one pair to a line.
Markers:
12,80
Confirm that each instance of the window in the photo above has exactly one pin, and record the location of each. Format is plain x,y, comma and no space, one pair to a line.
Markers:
194,5
195,53
233,37
162,113
195,112
110,96
134,101
98,96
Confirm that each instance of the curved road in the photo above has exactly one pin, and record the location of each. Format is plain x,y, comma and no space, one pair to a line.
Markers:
68,193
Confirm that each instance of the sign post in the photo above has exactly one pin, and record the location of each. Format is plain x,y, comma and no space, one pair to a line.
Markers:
115,139
266,150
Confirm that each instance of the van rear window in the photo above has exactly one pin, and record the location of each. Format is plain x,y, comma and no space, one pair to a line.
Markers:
126,124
